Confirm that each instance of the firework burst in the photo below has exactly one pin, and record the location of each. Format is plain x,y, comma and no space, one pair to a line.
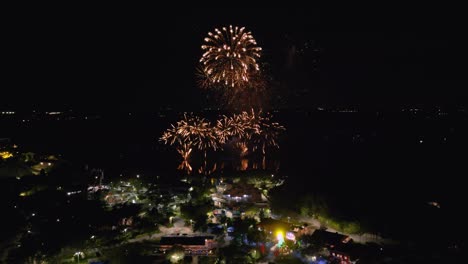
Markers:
268,135
191,132
230,57
260,132
246,132
228,127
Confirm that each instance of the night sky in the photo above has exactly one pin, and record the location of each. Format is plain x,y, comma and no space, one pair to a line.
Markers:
315,58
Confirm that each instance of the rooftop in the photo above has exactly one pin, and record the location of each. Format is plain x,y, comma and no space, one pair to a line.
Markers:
329,238
185,240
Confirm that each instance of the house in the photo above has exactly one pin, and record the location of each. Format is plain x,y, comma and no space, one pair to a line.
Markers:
347,253
193,245
242,193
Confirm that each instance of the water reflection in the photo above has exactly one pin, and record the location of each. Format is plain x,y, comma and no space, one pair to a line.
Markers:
205,170
263,167
207,167
244,165
252,163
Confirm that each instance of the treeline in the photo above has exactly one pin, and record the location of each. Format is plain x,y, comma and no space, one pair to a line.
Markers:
290,199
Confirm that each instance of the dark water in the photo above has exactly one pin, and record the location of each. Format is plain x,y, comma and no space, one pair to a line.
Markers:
387,164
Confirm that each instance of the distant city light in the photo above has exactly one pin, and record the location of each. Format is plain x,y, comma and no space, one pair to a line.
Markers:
75,192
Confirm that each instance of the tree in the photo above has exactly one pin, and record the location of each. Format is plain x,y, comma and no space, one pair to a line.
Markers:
233,254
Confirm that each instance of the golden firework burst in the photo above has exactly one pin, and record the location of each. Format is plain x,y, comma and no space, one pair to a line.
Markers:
230,56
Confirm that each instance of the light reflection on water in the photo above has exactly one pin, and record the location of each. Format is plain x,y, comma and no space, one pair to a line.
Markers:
208,167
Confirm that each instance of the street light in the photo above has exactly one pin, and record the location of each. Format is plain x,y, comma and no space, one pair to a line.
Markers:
78,255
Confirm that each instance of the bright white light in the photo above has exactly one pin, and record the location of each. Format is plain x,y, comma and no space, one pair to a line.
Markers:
290,236
280,237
